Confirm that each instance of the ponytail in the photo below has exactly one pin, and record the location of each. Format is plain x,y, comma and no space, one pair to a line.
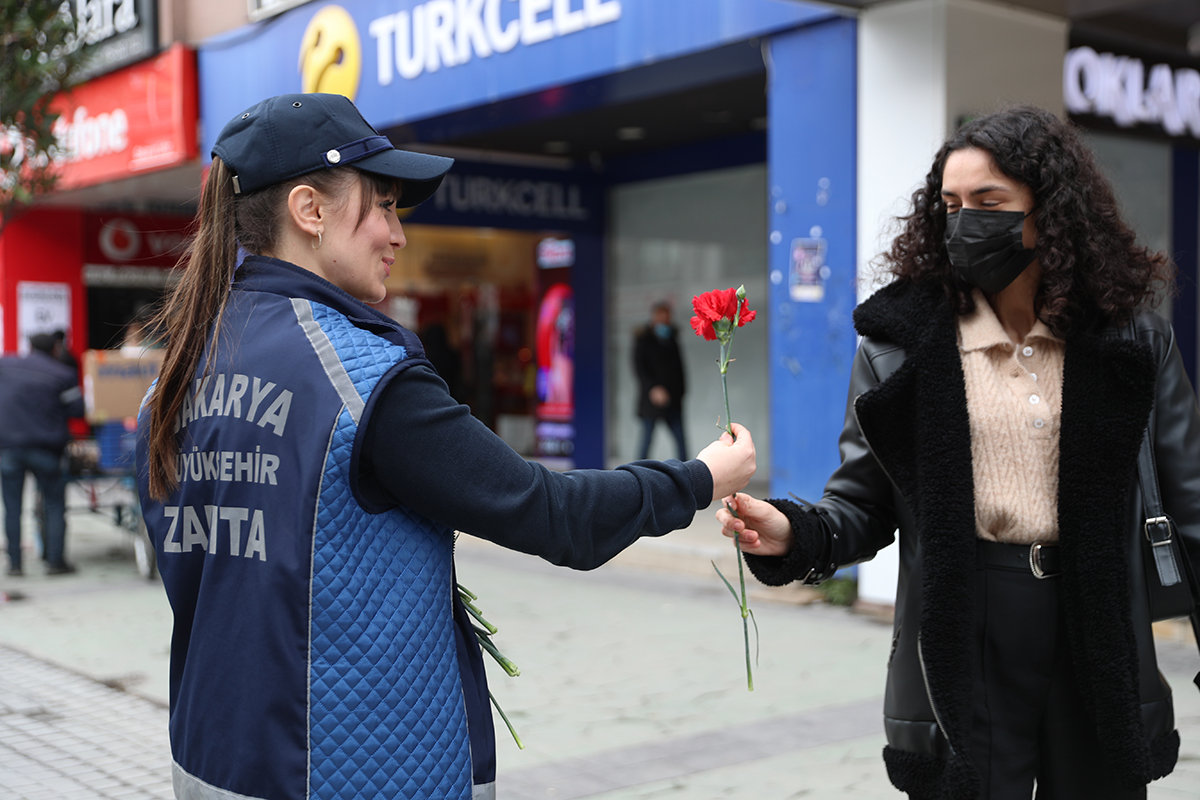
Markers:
193,309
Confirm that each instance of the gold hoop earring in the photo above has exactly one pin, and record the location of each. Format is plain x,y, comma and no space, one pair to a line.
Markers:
320,241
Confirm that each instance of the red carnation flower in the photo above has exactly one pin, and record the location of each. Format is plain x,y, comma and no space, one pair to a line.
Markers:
713,307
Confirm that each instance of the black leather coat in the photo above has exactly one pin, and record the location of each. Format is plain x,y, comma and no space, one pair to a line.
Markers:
657,362
906,464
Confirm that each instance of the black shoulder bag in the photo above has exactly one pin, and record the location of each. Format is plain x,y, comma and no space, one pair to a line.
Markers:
1169,582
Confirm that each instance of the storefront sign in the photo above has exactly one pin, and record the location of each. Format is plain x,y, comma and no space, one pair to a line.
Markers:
809,272
140,118
140,240
42,308
441,33
116,32
500,196
404,60
132,251
553,201
555,337
556,253
261,9
1122,89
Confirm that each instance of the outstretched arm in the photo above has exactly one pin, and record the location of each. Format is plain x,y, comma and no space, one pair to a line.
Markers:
425,452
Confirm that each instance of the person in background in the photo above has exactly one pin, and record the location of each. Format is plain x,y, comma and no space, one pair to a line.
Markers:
38,394
661,382
63,353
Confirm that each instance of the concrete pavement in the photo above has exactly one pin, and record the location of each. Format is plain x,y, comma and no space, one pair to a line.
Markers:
632,685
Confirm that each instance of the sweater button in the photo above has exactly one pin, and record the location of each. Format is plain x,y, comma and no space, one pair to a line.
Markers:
1027,352
1039,423
1034,399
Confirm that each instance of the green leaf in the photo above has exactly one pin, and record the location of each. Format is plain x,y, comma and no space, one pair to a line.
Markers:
728,585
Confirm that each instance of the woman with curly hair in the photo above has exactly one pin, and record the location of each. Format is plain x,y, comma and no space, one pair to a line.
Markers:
998,403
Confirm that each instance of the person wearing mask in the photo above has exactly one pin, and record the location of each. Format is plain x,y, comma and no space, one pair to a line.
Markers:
998,403
661,383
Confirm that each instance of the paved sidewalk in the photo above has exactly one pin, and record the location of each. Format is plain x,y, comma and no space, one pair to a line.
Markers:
632,685
64,736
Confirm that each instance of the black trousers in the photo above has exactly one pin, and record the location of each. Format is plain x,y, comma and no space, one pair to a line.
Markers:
1030,726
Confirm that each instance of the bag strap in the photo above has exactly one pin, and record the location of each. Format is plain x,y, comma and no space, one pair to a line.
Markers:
1159,529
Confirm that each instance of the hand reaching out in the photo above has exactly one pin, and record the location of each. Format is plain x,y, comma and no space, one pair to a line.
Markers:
731,462
763,529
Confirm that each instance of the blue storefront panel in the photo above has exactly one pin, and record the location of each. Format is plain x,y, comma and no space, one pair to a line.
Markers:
812,179
472,51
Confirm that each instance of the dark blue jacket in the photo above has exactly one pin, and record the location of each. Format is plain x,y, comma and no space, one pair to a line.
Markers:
320,649
37,396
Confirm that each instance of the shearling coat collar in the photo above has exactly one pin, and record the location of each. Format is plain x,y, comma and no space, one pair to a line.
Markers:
917,424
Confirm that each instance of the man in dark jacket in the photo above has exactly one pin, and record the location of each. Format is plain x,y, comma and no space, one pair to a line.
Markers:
38,393
660,378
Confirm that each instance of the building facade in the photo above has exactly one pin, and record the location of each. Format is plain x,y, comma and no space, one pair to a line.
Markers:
612,154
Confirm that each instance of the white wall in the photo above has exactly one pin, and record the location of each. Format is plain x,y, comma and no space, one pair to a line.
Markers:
671,239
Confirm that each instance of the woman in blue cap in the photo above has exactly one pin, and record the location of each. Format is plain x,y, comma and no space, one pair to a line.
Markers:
302,469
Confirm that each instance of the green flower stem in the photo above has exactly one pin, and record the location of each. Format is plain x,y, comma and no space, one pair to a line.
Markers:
503,716
495,653
725,386
478,615
745,611
483,636
743,604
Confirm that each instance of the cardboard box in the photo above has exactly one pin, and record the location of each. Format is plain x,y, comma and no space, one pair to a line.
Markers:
114,383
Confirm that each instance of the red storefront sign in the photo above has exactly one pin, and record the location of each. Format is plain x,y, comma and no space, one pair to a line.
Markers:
138,239
134,120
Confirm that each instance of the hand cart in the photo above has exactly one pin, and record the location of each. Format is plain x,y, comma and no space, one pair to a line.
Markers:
102,481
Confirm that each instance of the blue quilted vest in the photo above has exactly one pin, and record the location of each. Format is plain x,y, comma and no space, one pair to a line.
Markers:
318,650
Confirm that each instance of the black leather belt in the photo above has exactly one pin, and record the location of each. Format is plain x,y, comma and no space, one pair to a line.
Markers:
1040,560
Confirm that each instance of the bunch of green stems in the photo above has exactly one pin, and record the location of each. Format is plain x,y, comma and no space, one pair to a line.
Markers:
484,631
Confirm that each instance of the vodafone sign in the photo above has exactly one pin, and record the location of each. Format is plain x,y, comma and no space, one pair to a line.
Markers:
134,120
134,239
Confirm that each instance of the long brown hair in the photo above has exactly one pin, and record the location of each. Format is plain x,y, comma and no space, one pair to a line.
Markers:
192,314
1093,269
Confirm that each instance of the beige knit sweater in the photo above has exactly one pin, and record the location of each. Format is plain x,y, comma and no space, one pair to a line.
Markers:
1014,399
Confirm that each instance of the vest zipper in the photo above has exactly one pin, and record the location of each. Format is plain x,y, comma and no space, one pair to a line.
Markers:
937,718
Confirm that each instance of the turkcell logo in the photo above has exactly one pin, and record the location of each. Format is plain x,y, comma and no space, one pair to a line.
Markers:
447,33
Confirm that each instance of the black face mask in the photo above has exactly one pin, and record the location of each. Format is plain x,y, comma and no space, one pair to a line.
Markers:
985,247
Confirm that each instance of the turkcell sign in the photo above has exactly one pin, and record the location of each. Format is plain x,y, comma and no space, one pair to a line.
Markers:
406,60
1117,87
491,195
446,33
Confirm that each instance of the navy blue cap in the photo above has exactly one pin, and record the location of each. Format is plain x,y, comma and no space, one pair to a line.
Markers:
290,135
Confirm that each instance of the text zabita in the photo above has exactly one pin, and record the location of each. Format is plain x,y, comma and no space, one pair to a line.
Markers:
193,526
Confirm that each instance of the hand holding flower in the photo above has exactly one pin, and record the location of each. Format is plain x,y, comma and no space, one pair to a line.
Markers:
731,462
759,527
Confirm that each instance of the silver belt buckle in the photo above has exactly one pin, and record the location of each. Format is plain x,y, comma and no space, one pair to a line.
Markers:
1035,562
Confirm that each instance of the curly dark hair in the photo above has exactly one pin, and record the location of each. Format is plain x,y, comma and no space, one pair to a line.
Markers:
1093,271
